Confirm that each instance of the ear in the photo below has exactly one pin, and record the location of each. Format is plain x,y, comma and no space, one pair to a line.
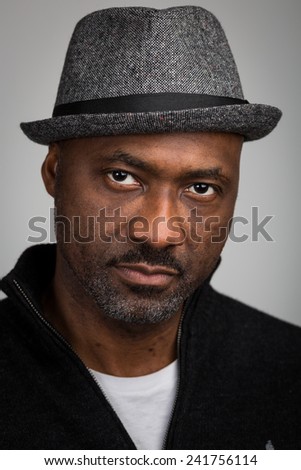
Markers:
49,168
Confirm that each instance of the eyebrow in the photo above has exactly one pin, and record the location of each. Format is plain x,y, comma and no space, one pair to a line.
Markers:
214,173
211,173
131,160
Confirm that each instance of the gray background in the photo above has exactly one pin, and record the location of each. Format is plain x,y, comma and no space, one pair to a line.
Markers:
265,37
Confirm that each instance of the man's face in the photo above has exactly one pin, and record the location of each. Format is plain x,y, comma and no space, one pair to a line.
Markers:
142,219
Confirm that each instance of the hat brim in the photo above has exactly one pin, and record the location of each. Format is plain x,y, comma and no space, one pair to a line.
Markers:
253,121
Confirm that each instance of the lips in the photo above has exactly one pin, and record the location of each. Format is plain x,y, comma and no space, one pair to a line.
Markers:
146,275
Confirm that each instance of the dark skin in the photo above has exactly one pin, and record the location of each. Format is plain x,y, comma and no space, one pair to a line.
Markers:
150,176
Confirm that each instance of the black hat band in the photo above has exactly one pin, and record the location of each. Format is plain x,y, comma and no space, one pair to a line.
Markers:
157,102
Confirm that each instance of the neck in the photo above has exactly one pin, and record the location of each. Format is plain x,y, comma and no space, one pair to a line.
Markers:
106,345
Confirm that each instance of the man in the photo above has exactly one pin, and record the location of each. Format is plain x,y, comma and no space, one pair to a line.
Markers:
114,338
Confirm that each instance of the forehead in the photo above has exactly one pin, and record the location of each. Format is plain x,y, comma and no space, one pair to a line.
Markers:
169,152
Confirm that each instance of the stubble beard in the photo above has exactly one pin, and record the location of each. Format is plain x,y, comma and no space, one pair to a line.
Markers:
131,304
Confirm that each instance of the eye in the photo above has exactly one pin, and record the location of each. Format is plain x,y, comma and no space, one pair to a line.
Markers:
202,189
122,177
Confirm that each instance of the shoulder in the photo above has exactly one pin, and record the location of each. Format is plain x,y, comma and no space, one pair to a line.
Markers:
7,312
17,327
243,314
241,330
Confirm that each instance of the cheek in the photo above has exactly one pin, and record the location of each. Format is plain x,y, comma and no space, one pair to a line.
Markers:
204,256
210,226
206,243
90,224
76,219
216,230
76,207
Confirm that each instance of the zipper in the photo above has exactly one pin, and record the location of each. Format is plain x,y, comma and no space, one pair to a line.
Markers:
42,319
62,339
179,335
68,345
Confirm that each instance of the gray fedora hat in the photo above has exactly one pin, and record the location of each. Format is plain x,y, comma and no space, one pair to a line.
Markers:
138,70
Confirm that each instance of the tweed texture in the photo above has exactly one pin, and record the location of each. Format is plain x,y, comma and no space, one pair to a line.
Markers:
136,51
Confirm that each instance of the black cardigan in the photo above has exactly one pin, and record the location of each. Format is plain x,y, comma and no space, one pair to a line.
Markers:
240,376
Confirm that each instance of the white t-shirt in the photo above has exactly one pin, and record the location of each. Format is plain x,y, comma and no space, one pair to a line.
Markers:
143,404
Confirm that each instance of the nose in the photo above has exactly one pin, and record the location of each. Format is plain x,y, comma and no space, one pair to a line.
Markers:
160,222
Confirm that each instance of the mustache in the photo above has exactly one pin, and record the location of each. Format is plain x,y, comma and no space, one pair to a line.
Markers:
151,256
